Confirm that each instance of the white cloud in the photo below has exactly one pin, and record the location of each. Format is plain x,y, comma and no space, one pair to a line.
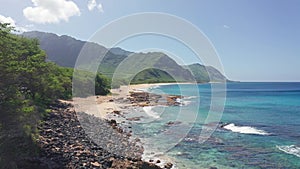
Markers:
51,11
92,4
4,19
100,8
12,22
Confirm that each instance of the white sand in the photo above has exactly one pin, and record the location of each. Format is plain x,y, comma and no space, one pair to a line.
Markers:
100,106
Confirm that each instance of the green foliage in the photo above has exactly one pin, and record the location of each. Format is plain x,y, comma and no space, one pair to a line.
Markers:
28,110
28,85
88,84
102,85
152,76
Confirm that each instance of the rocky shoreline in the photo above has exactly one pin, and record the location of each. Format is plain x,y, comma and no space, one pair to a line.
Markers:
138,101
65,144
142,98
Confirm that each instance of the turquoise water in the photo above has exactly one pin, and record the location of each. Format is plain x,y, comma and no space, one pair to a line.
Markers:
261,127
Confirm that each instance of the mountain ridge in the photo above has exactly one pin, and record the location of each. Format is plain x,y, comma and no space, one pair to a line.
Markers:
64,50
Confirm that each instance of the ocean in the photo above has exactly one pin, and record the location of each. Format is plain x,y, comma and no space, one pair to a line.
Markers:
259,127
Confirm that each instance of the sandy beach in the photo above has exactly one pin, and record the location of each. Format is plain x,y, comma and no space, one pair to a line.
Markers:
105,102
101,106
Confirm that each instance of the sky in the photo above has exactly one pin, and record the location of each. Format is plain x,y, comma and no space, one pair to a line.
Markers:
255,40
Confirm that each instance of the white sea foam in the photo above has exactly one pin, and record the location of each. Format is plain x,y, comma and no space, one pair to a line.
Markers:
185,103
244,129
186,100
190,97
154,87
291,149
164,159
142,90
148,110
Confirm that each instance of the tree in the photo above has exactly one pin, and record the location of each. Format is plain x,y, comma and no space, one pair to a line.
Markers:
28,85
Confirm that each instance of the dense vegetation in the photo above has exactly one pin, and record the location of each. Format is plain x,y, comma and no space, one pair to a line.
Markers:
151,67
28,86
152,76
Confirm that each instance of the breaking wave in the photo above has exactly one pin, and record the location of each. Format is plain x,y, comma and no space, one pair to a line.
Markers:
244,129
291,149
148,110
190,97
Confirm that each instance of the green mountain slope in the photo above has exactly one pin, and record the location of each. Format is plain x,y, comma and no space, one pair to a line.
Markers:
203,74
120,65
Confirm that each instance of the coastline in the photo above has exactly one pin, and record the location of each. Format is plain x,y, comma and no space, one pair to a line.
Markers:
113,107
238,130
113,102
116,106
